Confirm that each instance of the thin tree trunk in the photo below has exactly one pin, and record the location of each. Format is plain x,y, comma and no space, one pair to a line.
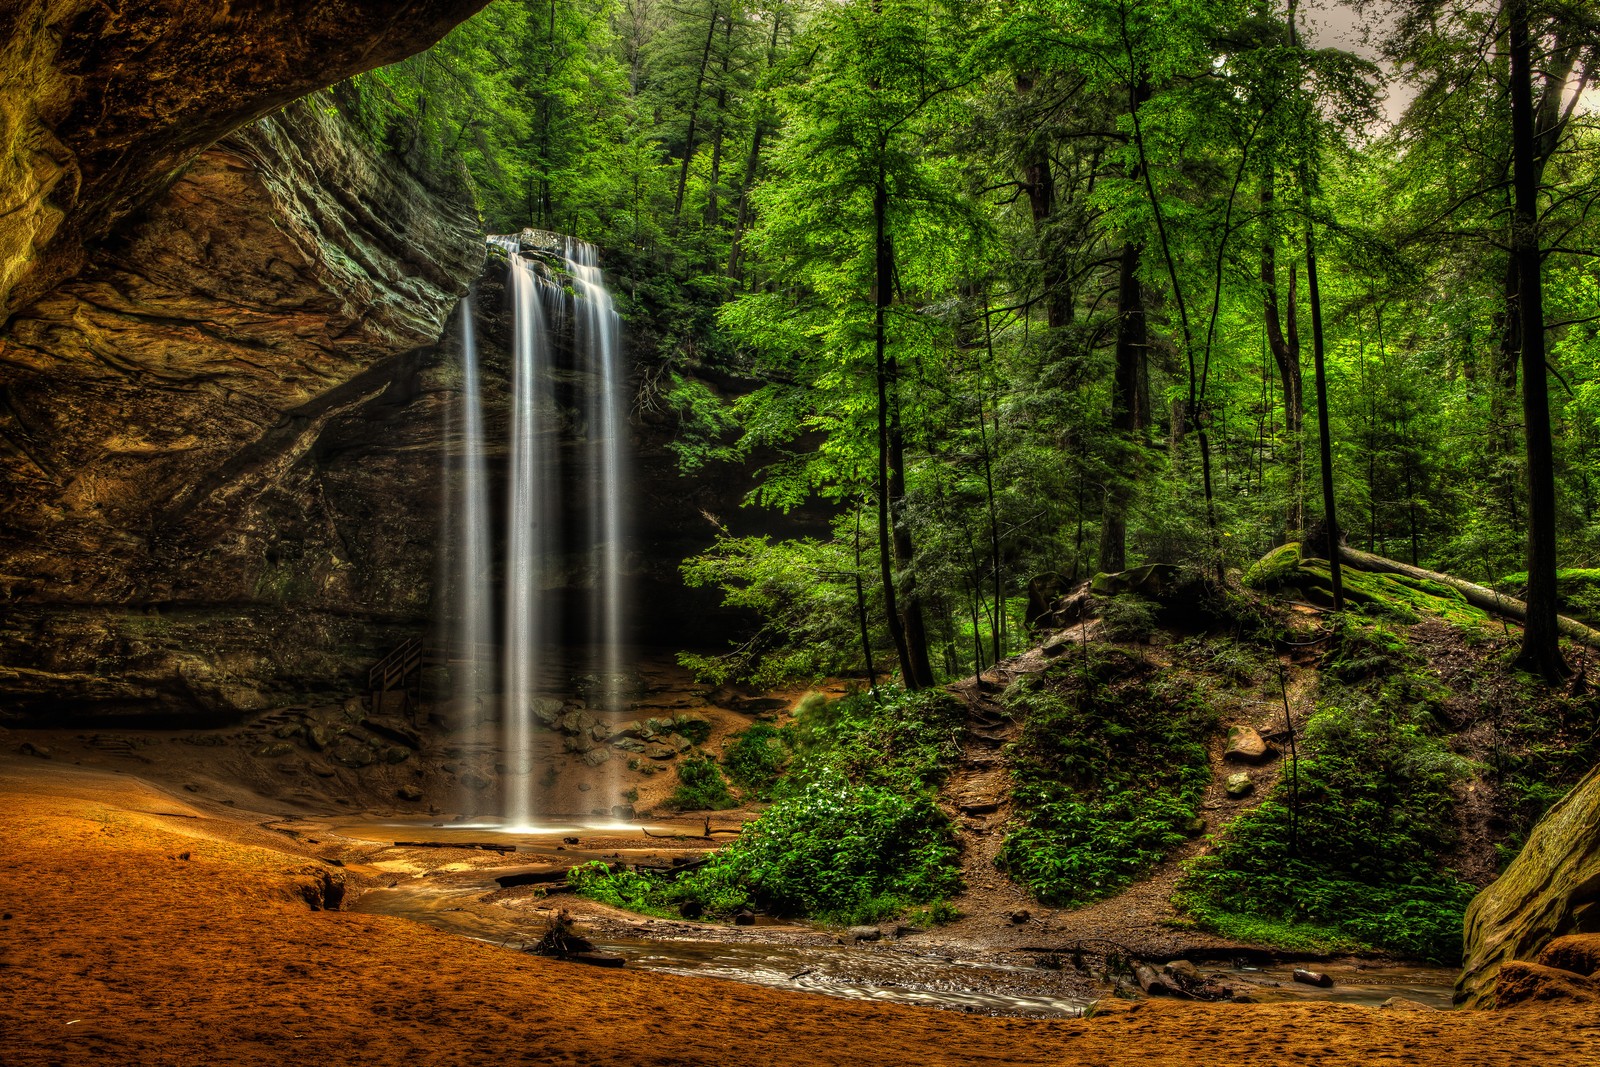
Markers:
1541,646
694,111
1130,345
1329,514
881,291
1285,346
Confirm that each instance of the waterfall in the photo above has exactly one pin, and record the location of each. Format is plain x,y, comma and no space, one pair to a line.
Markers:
530,544
598,337
470,633
539,311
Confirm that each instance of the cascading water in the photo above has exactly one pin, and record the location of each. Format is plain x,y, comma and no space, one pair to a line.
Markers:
540,304
471,630
531,520
598,332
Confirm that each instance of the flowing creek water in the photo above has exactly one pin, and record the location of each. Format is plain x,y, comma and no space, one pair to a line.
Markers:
911,970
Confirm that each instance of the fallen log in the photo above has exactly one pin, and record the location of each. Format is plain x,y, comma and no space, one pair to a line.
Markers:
1478,596
456,844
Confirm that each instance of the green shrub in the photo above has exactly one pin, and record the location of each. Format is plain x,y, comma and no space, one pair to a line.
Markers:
755,758
621,888
692,727
1107,775
1360,860
854,834
840,852
1127,617
701,786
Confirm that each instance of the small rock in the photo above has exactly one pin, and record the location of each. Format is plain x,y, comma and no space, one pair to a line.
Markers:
1403,1004
408,792
1184,971
600,732
190,787
273,751
396,754
1152,983
1020,917
1195,826
629,744
579,743
679,743
1245,745
864,933
1238,785
584,787
569,840
1316,978
744,917
474,780
28,748
630,729
596,756
624,813
660,752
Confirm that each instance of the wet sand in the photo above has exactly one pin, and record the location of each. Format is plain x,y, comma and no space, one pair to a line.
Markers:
150,928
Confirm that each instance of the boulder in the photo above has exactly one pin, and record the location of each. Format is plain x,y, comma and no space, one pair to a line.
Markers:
409,792
600,732
864,933
596,756
1519,982
546,711
1551,889
633,728
1183,971
629,744
1579,953
1238,785
1402,1004
1246,745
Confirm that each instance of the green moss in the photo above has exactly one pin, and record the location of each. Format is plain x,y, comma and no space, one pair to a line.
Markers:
1274,570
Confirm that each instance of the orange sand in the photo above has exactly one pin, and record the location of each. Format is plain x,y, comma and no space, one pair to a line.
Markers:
117,951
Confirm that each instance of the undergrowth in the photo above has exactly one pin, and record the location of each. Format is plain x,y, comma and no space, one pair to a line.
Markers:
1108,774
853,835
1351,854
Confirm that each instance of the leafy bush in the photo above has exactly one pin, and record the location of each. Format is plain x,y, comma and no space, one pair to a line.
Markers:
755,758
1360,860
692,727
841,852
1127,617
701,786
1109,772
854,835
621,888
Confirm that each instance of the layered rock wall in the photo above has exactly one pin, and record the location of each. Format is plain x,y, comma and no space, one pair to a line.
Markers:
199,463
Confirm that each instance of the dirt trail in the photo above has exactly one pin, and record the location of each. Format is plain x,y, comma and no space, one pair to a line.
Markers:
142,928
1141,919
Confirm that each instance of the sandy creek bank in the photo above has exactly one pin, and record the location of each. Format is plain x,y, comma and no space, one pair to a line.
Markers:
151,926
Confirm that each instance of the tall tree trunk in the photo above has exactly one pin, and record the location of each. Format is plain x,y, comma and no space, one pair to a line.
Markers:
694,111
1285,345
751,163
1541,648
718,129
1330,517
882,289
1125,410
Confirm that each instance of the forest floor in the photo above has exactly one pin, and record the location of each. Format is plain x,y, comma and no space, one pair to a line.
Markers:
143,926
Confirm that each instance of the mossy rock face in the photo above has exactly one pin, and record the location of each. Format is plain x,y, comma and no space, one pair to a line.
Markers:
1551,889
1276,569
1154,580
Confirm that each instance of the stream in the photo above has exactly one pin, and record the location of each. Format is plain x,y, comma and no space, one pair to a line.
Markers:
895,972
